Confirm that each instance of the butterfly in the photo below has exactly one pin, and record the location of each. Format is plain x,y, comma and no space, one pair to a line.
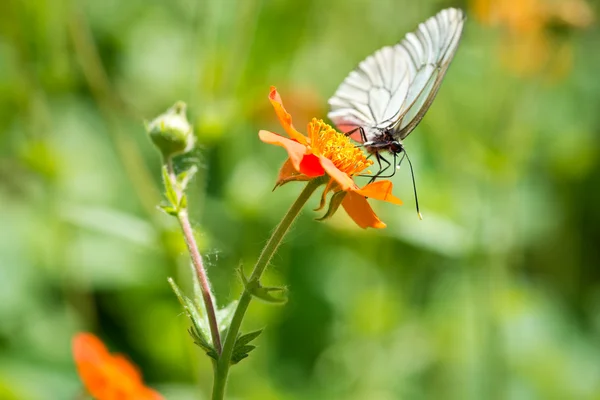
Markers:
382,101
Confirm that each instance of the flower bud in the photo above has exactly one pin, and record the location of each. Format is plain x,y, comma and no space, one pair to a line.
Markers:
171,132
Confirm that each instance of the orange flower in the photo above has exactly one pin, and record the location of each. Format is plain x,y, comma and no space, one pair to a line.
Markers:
327,152
107,376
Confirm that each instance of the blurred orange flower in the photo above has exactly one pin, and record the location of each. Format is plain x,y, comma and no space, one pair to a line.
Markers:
528,46
327,152
107,376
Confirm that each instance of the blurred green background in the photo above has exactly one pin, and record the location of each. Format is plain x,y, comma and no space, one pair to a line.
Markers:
494,295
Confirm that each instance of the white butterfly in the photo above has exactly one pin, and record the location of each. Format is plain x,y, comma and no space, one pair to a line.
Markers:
387,95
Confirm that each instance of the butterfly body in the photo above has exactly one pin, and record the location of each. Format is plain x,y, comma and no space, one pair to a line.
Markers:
382,139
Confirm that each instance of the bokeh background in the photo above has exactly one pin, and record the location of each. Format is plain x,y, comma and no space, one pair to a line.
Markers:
494,295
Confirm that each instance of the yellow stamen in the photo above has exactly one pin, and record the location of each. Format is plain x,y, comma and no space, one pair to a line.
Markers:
326,141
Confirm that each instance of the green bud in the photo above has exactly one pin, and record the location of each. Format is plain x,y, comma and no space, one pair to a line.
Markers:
171,132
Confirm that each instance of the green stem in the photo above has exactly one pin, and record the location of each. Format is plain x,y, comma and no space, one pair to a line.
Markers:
190,240
263,261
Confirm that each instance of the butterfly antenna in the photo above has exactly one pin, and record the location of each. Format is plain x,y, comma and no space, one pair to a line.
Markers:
414,185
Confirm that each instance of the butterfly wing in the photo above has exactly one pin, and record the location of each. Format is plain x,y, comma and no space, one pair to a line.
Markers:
372,95
396,85
431,49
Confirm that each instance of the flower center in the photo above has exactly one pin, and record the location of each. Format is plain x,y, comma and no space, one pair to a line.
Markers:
326,141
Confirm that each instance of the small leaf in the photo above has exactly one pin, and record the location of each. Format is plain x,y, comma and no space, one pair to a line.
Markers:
264,293
236,358
202,343
254,287
183,202
186,176
247,338
240,353
199,330
170,192
225,314
245,349
169,209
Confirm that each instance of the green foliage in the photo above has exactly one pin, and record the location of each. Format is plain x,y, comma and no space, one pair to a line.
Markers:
170,191
242,348
264,293
175,191
184,177
199,330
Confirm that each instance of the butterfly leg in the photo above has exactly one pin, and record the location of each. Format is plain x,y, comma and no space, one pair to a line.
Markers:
349,133
382,169
363,135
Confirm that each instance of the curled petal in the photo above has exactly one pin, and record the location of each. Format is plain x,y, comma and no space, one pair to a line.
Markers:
284,117
380,190
345,181
361,212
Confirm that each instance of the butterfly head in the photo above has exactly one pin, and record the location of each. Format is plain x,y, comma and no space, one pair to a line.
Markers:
396,147
393,145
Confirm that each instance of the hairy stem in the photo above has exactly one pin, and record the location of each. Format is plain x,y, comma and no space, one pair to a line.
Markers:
263,261
190,241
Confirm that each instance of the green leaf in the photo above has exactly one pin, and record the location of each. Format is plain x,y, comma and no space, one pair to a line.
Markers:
263,293
241,347
201,342
169,209
170,192
183,202
236,358
186,176
243,340
240,353
225,314
199,330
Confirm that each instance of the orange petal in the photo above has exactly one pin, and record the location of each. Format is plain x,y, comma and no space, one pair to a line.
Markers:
380,190
295,150
87,348
284,117
361,212
345,182
108,377
126,368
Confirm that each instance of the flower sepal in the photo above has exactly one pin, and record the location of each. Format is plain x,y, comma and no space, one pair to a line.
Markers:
334,204
288,173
